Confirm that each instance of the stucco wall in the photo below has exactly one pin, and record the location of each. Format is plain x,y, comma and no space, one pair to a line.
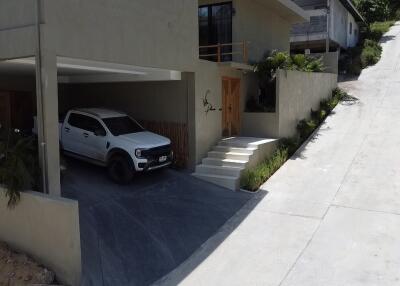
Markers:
47,229
352,38
262,27
330,61
260,124
258,24
17,13
338,23
154,101
150,33
298,93
208,81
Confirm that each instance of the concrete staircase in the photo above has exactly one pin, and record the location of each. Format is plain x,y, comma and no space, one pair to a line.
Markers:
226,161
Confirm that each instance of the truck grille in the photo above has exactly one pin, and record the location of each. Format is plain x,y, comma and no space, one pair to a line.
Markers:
157,152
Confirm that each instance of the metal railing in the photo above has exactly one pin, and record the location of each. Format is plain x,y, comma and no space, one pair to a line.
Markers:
236,49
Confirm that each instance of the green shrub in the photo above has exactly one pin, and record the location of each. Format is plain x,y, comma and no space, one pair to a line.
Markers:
18,164
378,29
374,10
271,62
253,178
370,56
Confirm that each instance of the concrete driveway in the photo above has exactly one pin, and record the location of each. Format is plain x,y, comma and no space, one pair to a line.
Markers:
136,234
332,215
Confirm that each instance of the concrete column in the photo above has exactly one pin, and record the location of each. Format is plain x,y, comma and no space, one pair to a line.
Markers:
47,103
191,120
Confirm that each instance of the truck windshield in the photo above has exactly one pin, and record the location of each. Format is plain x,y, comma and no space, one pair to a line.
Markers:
122,125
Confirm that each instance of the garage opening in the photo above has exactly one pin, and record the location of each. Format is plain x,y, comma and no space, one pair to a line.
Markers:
156,98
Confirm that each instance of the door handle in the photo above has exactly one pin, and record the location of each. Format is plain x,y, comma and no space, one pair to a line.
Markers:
86,135
67,129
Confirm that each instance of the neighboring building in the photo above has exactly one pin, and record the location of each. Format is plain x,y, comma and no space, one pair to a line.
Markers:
335,20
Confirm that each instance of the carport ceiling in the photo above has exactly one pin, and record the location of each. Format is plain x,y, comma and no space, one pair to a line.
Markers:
84,71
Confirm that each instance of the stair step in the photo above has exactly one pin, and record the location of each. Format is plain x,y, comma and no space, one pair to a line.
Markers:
224,162
219,170
228,182
245,142
229,155
248,151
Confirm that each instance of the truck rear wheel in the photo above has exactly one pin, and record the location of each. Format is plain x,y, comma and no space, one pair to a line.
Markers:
120,170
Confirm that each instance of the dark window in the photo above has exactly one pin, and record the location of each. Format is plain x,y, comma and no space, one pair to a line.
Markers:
122,125
215,27
351,28
84,122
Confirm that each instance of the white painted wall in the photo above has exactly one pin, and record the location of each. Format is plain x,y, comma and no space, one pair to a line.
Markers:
353,36
47,229
338,23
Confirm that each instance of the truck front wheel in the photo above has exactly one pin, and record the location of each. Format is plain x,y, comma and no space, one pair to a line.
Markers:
120,170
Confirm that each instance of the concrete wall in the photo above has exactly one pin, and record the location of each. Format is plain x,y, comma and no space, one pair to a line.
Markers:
154,101
258,24
260,124
150,33
330,60
17,13
208,81
298,93
262,27
352,38
47,229
338,23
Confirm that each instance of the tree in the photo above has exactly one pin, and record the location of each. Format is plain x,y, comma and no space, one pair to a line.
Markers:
375,10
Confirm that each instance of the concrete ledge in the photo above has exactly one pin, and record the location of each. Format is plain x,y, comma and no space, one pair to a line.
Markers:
47,229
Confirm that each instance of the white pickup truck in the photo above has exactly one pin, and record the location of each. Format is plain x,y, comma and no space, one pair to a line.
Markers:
113,140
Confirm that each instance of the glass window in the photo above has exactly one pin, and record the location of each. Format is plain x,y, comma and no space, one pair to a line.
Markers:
215,27
122,125
351,28
84,122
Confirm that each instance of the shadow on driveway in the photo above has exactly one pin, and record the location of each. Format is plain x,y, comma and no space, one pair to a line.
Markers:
136,234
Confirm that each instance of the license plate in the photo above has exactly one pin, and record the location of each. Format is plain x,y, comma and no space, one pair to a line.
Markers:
162,159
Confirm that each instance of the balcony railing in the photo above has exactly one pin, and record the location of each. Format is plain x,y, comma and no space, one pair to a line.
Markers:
225,52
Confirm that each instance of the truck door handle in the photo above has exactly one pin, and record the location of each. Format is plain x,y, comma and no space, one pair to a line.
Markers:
86,135
67,129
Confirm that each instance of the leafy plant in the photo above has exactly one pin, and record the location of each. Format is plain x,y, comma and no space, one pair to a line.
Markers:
18,164
374,10
266,71
253,178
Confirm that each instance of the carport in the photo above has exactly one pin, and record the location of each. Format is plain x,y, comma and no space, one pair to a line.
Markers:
158,98
130,235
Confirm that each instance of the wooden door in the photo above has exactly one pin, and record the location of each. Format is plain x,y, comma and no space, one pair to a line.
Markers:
230,106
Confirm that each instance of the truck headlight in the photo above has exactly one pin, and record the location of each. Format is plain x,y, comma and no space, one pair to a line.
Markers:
139,153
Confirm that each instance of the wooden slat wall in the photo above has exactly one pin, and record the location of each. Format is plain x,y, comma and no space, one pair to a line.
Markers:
178,133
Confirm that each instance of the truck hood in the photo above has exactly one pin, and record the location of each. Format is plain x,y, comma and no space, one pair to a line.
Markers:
145,139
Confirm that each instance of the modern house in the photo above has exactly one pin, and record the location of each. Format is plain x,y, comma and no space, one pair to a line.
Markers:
182,68
333,25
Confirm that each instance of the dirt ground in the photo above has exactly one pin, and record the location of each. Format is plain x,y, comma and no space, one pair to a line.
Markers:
17,269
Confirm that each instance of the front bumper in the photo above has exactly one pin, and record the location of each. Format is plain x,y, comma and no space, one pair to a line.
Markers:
151,164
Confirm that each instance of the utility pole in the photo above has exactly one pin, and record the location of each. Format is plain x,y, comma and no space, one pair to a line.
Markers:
328,20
